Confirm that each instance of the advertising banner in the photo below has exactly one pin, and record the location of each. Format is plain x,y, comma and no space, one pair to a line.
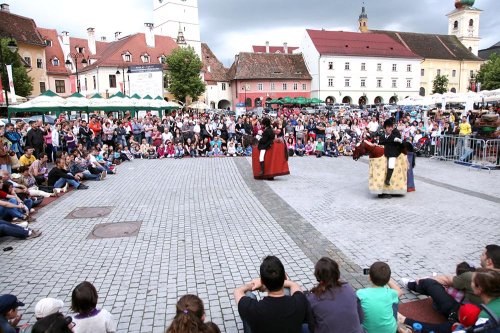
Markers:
11,85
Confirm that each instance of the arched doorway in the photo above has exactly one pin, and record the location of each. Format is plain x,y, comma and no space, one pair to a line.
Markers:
258,102
223,104
362,100
453,90
330,100
212,105
393,100
378,100
347,100
422,91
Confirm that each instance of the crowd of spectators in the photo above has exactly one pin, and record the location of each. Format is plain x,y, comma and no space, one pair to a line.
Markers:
331,306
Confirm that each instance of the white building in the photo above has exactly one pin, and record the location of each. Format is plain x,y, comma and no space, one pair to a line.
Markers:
463,22
359,68
173,16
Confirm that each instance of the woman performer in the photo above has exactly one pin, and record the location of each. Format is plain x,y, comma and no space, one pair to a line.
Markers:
265,142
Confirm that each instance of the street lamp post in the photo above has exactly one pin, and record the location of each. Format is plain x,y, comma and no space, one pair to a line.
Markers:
128,77
69,65
245,89
12,46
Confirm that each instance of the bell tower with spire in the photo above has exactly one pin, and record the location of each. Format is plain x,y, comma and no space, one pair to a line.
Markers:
178,19
463,22
363,20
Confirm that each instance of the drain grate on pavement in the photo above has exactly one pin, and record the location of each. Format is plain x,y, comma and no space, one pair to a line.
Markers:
89,212
115,230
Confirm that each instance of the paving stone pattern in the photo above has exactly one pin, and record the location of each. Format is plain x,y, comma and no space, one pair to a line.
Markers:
203,231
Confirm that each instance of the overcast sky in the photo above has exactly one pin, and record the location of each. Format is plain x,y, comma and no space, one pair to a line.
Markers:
232,26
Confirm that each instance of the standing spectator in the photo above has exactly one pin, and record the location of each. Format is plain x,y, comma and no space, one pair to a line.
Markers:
5,160
15,139
96,128
85,135
49,147
35,138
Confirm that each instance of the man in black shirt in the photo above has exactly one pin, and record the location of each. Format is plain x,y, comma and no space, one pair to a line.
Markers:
276,313
59,177
391,140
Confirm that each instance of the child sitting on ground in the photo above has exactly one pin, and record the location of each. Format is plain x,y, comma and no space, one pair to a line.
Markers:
190,313
239,150
380,302
179,151
231,148
161,151
309,148
170,149
88,318
216,151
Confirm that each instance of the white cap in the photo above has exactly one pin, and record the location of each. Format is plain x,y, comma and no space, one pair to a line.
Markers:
47,306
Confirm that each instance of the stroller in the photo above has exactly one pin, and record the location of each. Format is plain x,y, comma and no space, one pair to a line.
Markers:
423,146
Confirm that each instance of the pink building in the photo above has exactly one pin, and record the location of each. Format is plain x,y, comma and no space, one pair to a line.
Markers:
260,77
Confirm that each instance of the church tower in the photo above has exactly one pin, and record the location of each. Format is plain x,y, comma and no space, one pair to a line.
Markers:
463,22
178,17
363,20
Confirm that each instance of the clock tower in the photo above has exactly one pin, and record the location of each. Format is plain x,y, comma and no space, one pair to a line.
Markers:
176,18
463,22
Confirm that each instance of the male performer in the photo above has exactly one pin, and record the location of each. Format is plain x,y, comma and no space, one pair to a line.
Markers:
265,142
391,140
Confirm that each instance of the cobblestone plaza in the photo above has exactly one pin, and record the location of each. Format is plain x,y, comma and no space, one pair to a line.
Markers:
205,225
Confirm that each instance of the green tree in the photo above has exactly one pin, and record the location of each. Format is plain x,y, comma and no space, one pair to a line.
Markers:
440,84
489,74
184,67
23,84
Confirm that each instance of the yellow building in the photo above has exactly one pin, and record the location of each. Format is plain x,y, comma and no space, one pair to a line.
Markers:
30,43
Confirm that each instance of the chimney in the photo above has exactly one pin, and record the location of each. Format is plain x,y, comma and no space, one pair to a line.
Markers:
150,36
285,48
267,47
117,35
103,38
5,7
65,37
91,40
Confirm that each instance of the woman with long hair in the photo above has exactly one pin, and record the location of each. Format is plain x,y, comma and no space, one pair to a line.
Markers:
190,316
334,305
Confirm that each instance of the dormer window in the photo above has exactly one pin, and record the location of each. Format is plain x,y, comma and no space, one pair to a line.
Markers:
145,58
55,62
162,59
127,57
48,42
80,49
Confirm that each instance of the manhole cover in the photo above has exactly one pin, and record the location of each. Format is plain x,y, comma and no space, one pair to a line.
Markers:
89,212
115,230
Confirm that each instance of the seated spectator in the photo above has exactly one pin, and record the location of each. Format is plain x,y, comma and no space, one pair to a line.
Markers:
38,169
309,148
20,230
290,145
319,148
29,181
190,313
170,149
277,312
239,150
380,302
54,323
126,153
300,149
161,152
231,148
331,148
179,151
59,177
13,208
28,158
9,316
88,318
215,151
27,201
151,153
334,305
135,150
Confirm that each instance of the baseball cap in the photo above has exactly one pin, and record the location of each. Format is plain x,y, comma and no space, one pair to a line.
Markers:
47,306
468,314
9,302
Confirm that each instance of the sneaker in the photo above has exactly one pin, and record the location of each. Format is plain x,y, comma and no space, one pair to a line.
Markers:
65,188
82,187
404,282
32,210
22,224
34,234
103,175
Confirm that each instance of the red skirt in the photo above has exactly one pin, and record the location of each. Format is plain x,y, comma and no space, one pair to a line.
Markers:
275,161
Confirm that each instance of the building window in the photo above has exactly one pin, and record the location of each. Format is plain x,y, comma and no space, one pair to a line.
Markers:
273,86
78,85
162,59
379,67
363,66
260,87
455,25
347,82
379,83
55,62
304,86
363,83
295,86
95,82
60,87
128,57
28,60
86,86
438,72
39,63
347,66
394,83
223,86
471,23
394,67
112,81
471,73
42,87
48,42
453,73
422,72
145,58
408,83
285,86
330,65
165,82
330,82
408,68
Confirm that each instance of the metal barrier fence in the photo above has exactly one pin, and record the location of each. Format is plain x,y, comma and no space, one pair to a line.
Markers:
468,151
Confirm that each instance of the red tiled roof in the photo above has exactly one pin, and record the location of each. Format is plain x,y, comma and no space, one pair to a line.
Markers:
111,54
273,49
358,44
250,66
53,51
23,29
83,42
218,72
